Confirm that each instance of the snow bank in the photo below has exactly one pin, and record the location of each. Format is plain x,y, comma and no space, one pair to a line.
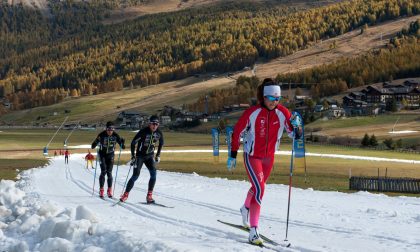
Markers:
29,224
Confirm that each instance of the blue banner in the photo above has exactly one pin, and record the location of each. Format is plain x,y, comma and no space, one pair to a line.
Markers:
215,137
299,147
229,132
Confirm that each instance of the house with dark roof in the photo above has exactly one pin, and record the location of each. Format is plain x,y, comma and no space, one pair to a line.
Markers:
412,83
374,96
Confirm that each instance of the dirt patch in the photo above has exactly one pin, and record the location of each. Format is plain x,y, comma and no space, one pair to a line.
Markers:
348,45
152,7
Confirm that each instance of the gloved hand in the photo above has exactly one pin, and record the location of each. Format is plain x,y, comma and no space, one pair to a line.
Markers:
231,163
133,160
295,120
297,132
157,159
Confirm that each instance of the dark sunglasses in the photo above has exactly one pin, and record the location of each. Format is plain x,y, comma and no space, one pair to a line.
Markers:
272,98
154,123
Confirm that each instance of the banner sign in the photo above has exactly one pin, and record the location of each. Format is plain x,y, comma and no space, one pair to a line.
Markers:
229,132
299,146
215,137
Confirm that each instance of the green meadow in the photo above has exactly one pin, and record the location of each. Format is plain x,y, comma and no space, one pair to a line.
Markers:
22,149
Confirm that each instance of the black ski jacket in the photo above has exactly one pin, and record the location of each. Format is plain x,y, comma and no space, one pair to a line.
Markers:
146,141
107,143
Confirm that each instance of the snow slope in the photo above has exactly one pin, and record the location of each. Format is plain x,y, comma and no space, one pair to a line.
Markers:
52,209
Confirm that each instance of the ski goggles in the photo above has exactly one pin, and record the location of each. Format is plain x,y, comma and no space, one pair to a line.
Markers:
272,98
110,128
154,123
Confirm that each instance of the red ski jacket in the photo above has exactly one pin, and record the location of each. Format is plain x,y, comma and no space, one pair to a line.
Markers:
261,130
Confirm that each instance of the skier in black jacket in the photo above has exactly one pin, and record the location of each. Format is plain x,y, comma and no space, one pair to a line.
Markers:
107,141
145,140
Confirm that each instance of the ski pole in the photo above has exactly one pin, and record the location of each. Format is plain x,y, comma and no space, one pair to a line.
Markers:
116,173
125,183
96,166
290,182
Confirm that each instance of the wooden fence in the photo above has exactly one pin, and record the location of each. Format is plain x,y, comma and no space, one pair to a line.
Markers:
383,184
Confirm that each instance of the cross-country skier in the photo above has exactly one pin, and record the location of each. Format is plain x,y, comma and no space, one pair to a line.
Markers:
89,159
263,125
145,140
66,156
107,141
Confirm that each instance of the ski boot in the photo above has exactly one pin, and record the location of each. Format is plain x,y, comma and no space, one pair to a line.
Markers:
109,192
245,213
101,192
149,198
254,237
124,197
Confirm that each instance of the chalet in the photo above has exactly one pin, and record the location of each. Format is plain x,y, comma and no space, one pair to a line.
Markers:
382,95
399,93
131,119
351,101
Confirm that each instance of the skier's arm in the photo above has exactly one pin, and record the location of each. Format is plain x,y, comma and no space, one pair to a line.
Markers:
136,139
237,131
161,142
95,143
120,141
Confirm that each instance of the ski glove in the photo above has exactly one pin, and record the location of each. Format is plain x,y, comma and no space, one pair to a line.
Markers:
295,120
122,143
157,159
231,163
133,161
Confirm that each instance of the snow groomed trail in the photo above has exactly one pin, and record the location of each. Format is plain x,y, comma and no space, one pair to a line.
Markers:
58,210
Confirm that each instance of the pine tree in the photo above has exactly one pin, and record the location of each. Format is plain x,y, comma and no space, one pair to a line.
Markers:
389,143
365,140
373,141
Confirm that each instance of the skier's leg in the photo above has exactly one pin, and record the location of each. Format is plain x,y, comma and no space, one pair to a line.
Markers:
256,176
109,166
150,164
136,174
102,164
249,197
267,165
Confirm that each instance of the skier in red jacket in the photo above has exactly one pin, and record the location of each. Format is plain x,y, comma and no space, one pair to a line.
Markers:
262,127
66,156
89,159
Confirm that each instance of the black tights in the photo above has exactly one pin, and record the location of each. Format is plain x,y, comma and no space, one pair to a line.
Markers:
106,163
150,164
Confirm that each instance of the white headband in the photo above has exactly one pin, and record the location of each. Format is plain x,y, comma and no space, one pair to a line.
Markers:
273,90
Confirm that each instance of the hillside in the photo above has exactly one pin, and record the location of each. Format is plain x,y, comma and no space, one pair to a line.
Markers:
81,57
347,45
128,10
99,107
160,6
103,107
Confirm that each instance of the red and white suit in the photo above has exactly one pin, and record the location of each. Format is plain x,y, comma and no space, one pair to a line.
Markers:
262,130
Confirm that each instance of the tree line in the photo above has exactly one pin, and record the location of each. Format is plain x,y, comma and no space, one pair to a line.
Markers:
398,60
75,51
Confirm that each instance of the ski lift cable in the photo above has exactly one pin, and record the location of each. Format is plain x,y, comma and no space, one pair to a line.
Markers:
65,119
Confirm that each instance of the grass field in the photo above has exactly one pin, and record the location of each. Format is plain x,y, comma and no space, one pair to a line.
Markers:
380,125
21,149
